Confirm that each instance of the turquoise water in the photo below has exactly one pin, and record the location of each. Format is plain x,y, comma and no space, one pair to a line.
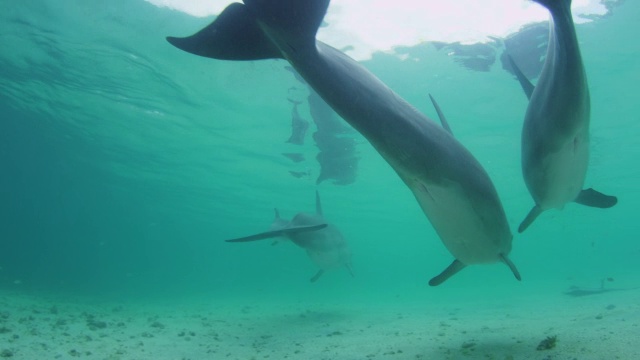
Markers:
124,163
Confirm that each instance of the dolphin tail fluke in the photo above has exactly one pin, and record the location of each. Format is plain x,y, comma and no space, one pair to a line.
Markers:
451,270
593,198
317,276
233,35
280,232
531,216
295,21
527,86
552,4
511,266
443,119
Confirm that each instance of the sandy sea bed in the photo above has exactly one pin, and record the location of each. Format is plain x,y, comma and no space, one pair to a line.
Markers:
40,326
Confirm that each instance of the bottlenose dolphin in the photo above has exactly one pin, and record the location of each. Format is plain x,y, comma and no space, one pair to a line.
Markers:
323,242
452,188
555,135
577,291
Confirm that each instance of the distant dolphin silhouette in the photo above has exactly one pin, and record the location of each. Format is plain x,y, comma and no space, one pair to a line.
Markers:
452,188
555,136
577,291
323,242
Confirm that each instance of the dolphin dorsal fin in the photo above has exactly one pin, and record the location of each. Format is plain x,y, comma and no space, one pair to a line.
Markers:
527,86
276,213
443,119
318,204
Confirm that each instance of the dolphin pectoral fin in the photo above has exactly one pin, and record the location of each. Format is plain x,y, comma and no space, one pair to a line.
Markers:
318,204
279,232
527,86
233,35
317,276
531,216
260,236
593,198
511,266
443,120
451,270
350,268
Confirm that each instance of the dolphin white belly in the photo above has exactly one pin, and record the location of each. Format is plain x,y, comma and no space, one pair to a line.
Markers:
564,172
447,208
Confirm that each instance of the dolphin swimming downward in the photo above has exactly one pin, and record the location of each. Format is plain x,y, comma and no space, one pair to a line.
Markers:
323,242
452,188
555,136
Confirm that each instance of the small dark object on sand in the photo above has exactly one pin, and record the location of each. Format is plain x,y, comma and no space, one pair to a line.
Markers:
548,343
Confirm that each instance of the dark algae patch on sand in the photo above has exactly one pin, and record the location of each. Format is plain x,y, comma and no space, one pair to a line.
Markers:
548,343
